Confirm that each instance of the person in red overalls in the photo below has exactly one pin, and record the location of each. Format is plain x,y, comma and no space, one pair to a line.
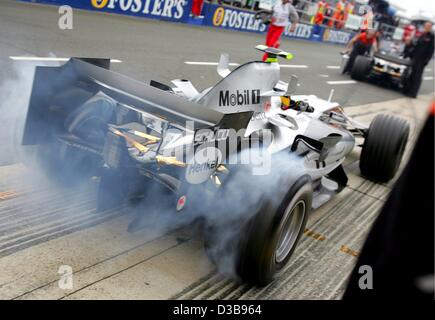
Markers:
283,11
360,44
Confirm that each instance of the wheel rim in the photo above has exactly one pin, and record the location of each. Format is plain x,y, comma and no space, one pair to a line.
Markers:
290,228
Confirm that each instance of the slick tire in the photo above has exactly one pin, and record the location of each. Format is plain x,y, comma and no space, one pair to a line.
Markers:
118,187
264,244
361,68
383,147
64,164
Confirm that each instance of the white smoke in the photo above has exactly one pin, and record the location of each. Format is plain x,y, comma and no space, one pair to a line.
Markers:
227,209
15,89
224,212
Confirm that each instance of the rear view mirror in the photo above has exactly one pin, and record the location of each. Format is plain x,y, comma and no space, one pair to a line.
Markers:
292,85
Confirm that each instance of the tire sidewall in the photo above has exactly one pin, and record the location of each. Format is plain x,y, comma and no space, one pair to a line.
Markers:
259,246
361,67
383,147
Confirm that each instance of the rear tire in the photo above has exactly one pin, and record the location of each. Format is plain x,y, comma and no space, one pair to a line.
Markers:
66,165
383,147
361,68
117,187
264,244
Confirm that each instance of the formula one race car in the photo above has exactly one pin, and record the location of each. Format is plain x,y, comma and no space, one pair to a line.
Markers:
388,65
245,156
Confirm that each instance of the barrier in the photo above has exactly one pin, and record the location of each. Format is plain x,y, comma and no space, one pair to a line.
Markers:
170,10
214,15
244,20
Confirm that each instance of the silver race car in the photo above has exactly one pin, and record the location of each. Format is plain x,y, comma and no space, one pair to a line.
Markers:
246,156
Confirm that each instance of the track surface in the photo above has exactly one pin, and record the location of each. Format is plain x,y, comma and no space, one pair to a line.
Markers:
43,227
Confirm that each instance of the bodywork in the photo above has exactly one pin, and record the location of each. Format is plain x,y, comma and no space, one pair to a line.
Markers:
157,130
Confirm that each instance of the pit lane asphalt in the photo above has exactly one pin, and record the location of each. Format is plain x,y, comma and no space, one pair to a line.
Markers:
43,227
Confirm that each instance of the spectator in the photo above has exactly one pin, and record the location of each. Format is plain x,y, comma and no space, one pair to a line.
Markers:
319,16
338,16
328,14
350,7
421,54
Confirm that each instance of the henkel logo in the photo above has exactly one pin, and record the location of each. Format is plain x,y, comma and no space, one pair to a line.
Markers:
239,98
206,161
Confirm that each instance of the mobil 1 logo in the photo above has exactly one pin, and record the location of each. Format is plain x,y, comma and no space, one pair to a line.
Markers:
239,97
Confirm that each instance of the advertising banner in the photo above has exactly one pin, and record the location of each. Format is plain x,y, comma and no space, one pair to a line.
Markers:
172,10
214,15
353,22
244,20
266,4
302,31
231,18
336,36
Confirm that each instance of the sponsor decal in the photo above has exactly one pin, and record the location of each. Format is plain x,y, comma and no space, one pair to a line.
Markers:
207,135
258,116
181,203
336,36
302,31
206,161
175,10
218,16
231,18
239,98
99,4
163,8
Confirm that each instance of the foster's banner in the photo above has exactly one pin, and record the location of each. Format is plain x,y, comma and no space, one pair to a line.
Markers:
244,20
214,15
231,18
173,10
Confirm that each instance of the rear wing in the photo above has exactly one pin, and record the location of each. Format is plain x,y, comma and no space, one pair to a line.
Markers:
57,91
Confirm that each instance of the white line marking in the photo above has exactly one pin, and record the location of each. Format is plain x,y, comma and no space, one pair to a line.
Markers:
341,82
293,66
323,75
333,67
331,94
428,69
428,78
49,59
205,63
198,63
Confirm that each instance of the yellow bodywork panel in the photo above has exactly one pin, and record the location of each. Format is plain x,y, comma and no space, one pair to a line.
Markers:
131,141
